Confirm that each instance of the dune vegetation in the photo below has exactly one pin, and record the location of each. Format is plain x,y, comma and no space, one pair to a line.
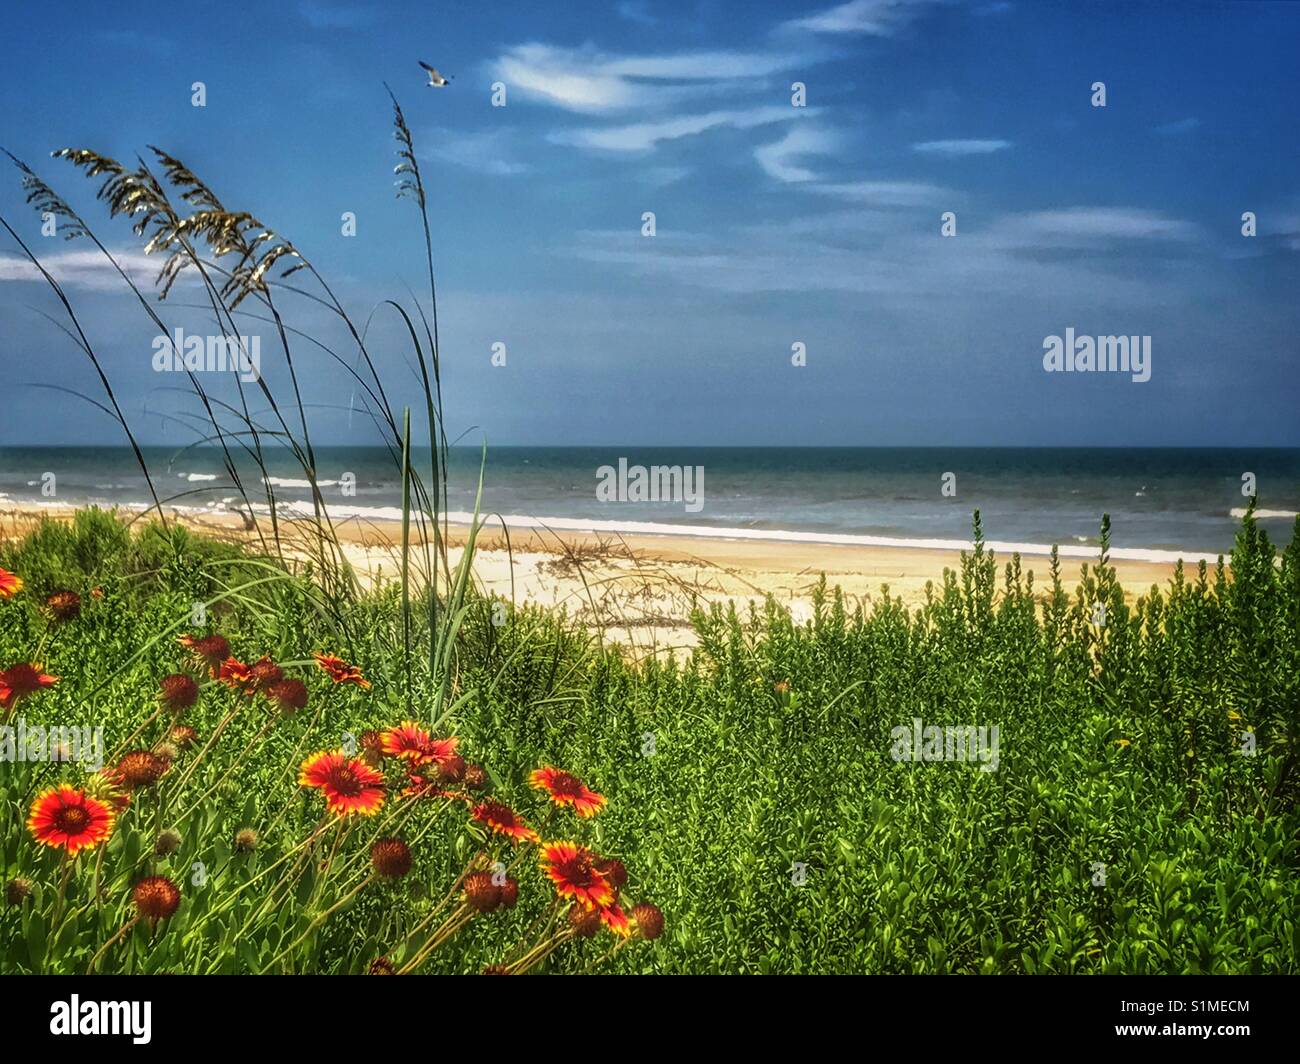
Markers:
301,774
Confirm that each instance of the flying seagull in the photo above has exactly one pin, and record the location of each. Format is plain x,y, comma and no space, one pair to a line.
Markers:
436,80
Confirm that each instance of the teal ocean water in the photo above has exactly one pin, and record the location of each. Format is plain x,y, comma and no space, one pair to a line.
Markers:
1159,499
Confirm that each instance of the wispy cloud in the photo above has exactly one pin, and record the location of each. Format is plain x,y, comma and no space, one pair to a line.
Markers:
877,18
961,147
488,152
1072,226
82,269
1174,129
910,268
887,193
778,159
644,136
592,82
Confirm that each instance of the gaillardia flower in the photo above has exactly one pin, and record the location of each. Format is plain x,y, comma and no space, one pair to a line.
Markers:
18,890
583,922
413,744
340,671
263,673
237,676
614,870
391,858
64,816
178,692
372,748
481,894
348,783
564,788
613,917
288,696
156,898
10,584
19,681
168,842
183,735
572,869
509,892
139,768
452,769
64,605
107,786
649,920
211,650
502,819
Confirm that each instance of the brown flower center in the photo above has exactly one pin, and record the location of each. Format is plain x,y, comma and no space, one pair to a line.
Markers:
345,781
72,819
565,784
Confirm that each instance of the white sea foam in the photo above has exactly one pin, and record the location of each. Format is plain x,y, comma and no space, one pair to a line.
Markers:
1240,512
195,477
295,509
291,482
341,514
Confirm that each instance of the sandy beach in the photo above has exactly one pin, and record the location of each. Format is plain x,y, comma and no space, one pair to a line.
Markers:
639,590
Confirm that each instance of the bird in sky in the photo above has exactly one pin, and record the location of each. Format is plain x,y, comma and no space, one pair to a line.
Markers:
436,80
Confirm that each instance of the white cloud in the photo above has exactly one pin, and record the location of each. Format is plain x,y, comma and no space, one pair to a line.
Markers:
1075,225
592,82
961,147
886,193
778,159
909,268
1174,129
488,152
877,18
643,136
83,269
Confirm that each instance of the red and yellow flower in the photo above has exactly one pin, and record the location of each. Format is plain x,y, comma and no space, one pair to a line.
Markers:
64,816
413,744
10,584
572,868
348,783
237,676
504,821
340,671
564,788
19,681
613,917
211,650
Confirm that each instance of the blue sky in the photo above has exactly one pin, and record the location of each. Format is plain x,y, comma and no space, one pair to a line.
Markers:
775,224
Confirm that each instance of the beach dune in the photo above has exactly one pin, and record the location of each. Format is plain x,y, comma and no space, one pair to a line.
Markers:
638,590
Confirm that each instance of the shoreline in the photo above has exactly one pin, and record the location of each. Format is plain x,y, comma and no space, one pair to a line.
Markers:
639,589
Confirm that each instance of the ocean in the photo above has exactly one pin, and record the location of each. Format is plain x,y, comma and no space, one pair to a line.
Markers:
1160,500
